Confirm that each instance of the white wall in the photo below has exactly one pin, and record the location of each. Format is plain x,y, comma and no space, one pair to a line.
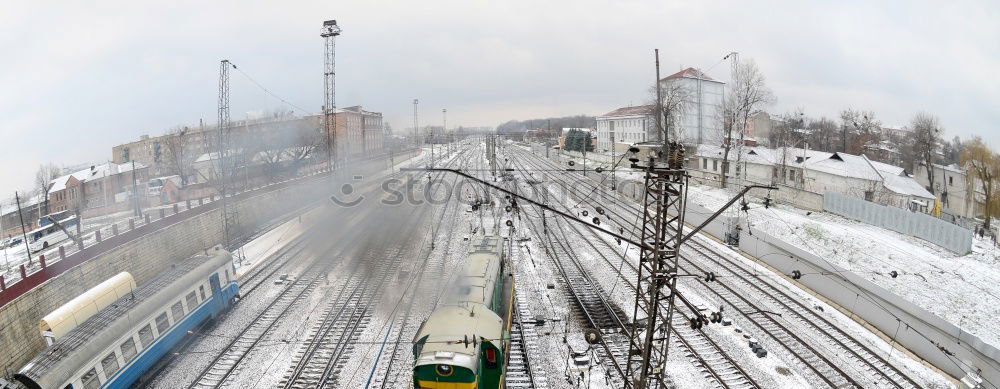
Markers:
627,129
706,107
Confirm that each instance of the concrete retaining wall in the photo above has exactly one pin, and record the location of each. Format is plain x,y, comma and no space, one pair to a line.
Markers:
916,329
919,331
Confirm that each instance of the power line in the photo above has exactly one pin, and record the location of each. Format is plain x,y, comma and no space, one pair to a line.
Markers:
262,87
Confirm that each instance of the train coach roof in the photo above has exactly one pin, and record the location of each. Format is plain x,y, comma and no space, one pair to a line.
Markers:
486,245
101,322
449,325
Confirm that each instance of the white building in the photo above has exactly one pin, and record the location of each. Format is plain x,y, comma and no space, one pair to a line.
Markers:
627,125
805,175
701,117
961,195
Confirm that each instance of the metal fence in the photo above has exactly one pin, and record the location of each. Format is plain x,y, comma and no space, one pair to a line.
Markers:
952,237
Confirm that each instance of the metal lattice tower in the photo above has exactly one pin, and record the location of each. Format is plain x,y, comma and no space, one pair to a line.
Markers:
227,174
329,34
663,210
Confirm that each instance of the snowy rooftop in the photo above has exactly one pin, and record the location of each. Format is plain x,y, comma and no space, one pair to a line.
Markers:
93,172
690,73
10,205
839,164
637,110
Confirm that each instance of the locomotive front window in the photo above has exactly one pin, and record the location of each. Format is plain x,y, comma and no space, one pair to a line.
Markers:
110,364
91,380
146,336
128,349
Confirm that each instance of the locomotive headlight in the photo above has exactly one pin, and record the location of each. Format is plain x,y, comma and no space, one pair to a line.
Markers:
444,370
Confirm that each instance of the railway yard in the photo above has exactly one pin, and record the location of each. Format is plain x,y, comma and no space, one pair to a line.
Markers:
325,309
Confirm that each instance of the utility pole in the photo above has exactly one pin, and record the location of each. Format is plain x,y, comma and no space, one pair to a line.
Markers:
432,145
444,125
329,33
24,231
135,192
614,156
387,135
659,105
416,136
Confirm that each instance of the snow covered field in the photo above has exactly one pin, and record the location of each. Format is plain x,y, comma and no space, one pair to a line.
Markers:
959,288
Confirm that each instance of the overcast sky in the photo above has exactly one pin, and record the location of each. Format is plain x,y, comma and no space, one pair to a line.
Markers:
77,79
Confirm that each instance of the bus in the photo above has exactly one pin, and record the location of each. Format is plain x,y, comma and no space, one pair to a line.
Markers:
47,233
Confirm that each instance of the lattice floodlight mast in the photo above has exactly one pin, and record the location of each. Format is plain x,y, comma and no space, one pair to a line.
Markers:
228,161
329,34
665,195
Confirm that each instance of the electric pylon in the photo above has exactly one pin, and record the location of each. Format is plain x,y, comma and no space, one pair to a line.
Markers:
329,33
662,221
228,161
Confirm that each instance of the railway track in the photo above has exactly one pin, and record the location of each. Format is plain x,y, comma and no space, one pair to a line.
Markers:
704,352
834,340
226,363
701,349
523,343
879,372
321,358
587,296
400,359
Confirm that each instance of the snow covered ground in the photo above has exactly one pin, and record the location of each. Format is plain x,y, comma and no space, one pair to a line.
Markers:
959,288
774,368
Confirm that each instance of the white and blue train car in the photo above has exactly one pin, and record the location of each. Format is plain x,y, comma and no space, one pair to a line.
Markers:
114,347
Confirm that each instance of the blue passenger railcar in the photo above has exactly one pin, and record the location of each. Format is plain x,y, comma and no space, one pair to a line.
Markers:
113,348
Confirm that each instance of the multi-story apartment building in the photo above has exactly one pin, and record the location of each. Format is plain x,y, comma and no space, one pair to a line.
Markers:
700,113
358,132
626,125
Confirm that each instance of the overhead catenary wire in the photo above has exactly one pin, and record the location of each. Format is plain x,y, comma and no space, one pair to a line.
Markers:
268,91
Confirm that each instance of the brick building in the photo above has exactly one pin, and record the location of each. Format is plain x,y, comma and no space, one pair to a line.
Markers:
101,187
358,132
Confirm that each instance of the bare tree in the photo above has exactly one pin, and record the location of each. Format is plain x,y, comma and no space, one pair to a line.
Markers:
824,134
43,181
951,152
180,153
785,136
308,143
864,127
926,137
748,95
672,107
985,164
